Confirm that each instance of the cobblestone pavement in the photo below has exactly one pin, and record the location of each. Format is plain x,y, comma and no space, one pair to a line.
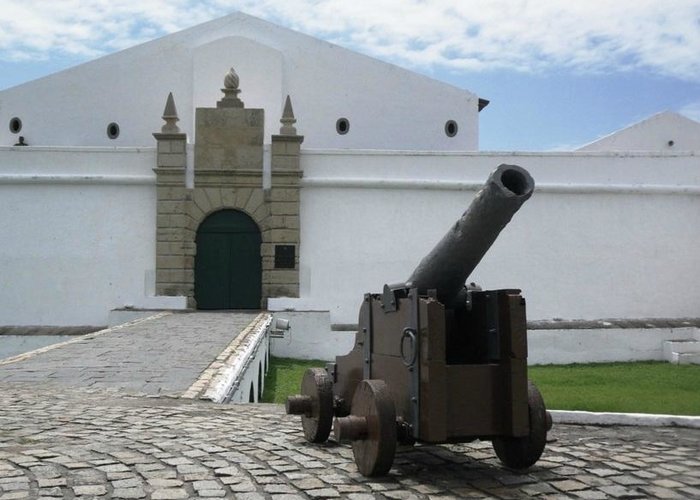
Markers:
158,356
88,420
99,443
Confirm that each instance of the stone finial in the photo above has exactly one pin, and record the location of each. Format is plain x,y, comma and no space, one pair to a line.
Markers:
231,91
231,80
170,117
288,119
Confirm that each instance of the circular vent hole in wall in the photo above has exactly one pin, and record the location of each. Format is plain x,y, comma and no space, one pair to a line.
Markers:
113,130
451,128
342,126
15,125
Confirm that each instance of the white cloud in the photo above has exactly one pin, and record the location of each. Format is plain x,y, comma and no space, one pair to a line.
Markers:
527,35
691,110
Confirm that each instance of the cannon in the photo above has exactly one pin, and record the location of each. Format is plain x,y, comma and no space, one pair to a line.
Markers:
435,360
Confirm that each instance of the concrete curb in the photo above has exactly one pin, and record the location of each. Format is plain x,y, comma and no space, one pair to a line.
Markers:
636,419
220,379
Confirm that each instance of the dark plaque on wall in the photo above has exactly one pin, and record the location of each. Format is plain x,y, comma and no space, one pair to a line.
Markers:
284,256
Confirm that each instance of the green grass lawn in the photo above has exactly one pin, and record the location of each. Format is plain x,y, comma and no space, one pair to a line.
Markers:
642,387
284,378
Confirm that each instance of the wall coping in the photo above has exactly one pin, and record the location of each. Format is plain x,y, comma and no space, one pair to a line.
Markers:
79,149
380,152
584,324
77,179
451,185
553,154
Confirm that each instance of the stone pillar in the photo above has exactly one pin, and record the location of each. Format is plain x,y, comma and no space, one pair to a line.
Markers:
174,252
280,276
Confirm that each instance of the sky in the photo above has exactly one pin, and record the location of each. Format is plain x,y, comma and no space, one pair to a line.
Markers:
559,74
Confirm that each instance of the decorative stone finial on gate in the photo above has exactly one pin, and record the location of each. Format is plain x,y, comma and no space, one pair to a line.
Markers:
170,117
288,119
231,91
231,80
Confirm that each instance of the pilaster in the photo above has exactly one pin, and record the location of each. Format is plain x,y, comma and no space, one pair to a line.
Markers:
284,198
174,251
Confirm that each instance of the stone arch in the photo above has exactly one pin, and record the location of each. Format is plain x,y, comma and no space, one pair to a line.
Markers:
261,381
206,201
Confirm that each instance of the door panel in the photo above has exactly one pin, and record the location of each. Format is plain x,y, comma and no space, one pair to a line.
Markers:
228,269
244,271
212,289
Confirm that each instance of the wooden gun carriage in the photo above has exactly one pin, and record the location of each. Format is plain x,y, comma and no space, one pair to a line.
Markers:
436,361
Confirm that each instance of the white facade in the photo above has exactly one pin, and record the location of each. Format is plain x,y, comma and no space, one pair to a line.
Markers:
78,234
387,107
603,236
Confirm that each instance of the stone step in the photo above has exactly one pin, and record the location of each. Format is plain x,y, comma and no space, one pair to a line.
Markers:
682,351
682,346
688,358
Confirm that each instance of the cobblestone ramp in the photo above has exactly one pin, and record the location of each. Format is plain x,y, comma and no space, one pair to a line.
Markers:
160,356
93,443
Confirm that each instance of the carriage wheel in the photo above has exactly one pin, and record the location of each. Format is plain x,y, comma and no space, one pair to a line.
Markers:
522,452
315,405
371,427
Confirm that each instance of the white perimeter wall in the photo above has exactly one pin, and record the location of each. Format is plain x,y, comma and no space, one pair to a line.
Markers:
78,233
604,235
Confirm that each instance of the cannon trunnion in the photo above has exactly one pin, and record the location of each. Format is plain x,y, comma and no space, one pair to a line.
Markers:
435,361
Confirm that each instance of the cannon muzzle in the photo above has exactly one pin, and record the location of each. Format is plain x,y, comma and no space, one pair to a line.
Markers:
446,268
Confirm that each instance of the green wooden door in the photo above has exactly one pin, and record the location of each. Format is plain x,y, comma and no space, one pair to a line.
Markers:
228,271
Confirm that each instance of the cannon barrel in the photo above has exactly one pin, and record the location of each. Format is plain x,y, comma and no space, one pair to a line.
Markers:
448,265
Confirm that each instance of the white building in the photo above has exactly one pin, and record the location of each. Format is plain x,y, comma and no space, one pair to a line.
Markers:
665,131
384,106
381,163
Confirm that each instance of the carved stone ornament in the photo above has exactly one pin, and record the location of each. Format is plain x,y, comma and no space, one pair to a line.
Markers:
231,80
170,117
231,91
288,119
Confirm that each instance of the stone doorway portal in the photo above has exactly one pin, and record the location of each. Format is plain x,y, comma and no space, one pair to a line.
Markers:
249,252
